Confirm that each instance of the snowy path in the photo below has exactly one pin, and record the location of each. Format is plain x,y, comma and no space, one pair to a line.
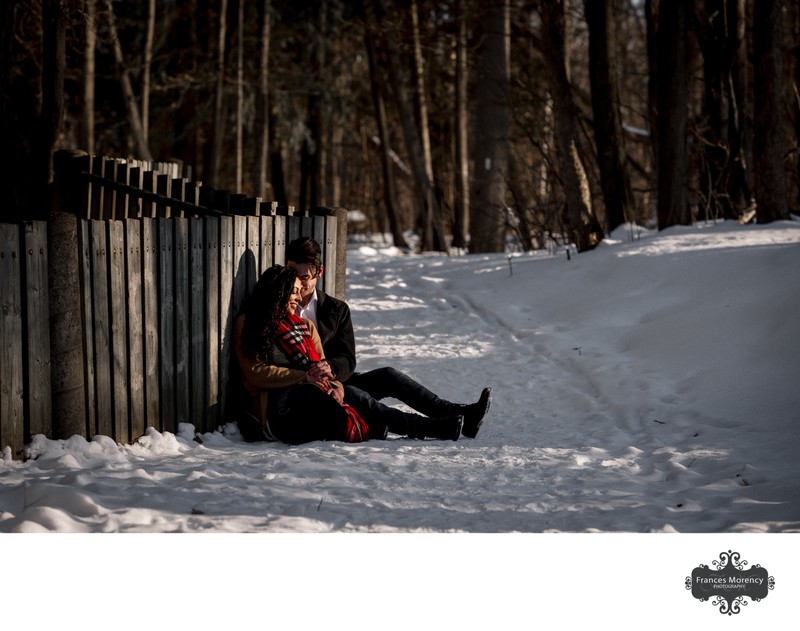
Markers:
643,387
584,432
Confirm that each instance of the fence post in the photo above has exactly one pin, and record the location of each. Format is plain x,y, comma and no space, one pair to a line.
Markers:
66,337
335,236
67,344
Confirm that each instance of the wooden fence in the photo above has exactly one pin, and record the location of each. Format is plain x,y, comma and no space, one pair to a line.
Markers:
148,302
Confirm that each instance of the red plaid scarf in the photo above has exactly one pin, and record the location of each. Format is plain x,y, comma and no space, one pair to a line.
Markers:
296,342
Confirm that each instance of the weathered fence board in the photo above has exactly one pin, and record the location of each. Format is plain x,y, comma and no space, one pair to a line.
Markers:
166,309
118,279
163,188
197,346
182,319
267,226
177,191
243,264
37,324
149,185
101,328
135,287
254,249
279,226
226,273
326,234
243,268
135,181
99,192
121,205
85,262
150,323
11,392
212,329
110,194
293,228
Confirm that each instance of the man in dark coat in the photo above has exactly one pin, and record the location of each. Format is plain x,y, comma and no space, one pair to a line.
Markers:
335,328
365,390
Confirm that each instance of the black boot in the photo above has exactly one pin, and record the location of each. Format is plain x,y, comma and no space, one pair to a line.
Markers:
474,413
448,428
378,431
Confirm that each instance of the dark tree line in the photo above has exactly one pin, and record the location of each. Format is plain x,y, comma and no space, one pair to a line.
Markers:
470,122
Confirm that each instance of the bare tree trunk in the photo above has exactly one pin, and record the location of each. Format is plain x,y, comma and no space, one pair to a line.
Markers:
461,227
425,137
531,238
424,187
546,183
770,177
720,33
651,17
739,134
398,239
148,62
89,74
603,62
262,106
318,106
584,228
239,96
673,97
219,99
131,107
277,176
330,121
795,100
53,69
492,107
312,154
710,26
332,191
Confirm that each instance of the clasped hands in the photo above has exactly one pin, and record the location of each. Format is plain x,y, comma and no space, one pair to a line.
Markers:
320,374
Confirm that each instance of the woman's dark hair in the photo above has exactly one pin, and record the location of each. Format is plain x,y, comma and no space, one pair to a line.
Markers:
264,309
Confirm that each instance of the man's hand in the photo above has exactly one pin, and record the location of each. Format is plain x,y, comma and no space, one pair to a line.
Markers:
320,370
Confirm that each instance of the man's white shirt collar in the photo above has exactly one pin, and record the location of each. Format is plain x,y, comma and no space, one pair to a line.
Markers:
309,312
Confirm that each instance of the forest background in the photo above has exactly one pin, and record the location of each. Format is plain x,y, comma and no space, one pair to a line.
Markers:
468,121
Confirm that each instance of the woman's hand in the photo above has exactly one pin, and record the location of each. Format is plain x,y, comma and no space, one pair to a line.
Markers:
318,379
338,394
321,369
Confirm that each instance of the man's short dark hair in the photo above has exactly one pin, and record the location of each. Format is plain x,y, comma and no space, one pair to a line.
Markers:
305,251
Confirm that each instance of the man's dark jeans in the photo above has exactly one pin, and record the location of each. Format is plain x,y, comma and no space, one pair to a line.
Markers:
364,392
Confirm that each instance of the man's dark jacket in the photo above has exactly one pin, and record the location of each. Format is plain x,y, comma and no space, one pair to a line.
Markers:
336,333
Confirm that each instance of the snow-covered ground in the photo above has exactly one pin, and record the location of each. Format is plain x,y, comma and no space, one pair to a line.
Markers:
649,386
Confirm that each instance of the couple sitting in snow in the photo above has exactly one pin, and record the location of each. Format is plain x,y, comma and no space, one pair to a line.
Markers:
296,353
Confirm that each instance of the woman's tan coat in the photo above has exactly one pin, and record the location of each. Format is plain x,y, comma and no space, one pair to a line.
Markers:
259,378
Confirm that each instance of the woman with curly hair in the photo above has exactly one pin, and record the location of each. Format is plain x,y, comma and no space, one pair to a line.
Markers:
293,399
